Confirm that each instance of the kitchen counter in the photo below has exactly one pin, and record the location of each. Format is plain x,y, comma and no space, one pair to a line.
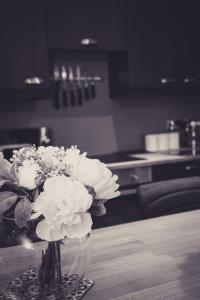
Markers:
150,259
139,159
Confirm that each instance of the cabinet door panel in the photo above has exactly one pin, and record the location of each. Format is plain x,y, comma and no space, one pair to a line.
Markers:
183,44
163,43
15,51
176,170
71,21
147,42
191,42
23,50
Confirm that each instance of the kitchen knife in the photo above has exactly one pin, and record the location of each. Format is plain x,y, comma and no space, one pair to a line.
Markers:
56,87
86,89
79,89
64,86
92,89
71,87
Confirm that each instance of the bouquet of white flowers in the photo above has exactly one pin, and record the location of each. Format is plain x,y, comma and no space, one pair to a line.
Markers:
52,191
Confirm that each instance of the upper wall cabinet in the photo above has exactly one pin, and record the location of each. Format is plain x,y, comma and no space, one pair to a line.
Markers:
163,44
185,32
87,24
146,42
23,51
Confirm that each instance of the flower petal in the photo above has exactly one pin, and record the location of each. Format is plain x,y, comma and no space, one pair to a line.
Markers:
49,232
79,230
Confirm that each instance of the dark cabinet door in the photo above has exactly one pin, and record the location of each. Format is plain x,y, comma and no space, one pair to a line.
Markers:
23,52
176,170
190,41
163,43
183,27
75,24
146,42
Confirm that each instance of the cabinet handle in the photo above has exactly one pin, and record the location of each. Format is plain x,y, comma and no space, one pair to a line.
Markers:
33,81
166,80
189,168
190,80
89,42
134,176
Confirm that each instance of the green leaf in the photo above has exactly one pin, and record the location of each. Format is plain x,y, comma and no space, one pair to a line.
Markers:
2,181
7,199
5,169
13,171
23,212
12,187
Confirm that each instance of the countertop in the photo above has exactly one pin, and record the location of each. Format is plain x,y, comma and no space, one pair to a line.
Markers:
151,259
130,159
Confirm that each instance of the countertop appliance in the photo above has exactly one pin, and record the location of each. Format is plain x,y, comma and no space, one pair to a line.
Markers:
189,131
16,138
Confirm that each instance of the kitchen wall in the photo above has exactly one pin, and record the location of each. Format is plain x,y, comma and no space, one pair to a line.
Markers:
101,125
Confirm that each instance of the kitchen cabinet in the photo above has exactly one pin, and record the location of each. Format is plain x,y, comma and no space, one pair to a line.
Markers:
133,176
163,44
187,44
175,170
23,51
146,42
86,24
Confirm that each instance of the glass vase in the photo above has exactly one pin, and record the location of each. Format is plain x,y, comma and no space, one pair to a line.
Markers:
45,270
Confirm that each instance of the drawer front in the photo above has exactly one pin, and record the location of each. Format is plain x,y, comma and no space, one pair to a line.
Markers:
176,170
134,176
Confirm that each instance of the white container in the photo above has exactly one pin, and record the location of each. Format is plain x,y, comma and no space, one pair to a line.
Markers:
162,141
173,140
151,142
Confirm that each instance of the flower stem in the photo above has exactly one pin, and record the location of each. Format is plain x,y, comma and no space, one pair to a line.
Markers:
50,268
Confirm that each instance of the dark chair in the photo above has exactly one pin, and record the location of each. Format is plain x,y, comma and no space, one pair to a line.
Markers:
169,196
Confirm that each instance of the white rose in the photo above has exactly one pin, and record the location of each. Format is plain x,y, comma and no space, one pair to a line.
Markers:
61,193
27,174
94,173
79,225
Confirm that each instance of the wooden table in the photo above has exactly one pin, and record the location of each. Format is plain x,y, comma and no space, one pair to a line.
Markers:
144,260
147,260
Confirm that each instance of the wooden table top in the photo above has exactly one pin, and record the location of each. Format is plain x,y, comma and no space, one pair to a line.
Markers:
147,260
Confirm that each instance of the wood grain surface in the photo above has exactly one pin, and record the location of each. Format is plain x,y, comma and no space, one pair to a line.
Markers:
147,260
144,260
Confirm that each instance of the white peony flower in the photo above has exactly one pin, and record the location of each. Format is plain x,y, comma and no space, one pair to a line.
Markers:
79,225
49,232
49,156
81,229
27,174
72,157
94,173
62,194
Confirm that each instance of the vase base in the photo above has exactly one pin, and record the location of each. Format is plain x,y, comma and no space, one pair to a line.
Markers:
27,287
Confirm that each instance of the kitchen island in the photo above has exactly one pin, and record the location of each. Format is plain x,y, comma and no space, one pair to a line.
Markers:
151,259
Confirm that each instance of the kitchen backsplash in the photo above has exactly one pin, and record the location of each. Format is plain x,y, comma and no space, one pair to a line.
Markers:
102,124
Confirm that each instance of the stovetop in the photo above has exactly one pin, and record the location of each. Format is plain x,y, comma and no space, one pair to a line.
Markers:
116,157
